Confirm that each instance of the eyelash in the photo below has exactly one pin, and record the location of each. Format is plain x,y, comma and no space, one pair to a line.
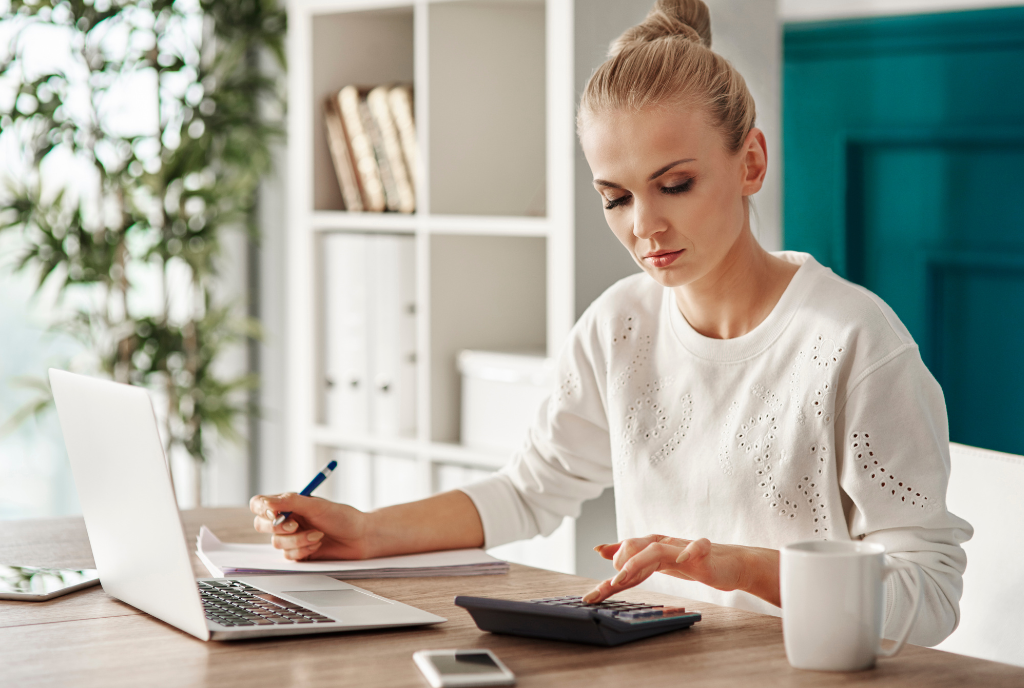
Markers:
679,188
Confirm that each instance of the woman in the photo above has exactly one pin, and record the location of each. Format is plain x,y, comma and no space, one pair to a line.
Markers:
738,400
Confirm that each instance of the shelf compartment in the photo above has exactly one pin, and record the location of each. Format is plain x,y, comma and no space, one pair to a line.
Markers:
487,293
365,48
487,103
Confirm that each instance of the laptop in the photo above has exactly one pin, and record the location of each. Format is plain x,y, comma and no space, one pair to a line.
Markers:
139,545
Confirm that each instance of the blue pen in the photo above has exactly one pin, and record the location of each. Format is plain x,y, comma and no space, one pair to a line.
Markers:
313,484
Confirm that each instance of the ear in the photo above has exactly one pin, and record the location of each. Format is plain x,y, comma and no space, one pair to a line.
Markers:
754,164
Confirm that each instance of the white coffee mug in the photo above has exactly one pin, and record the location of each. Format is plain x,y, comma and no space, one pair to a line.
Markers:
833,604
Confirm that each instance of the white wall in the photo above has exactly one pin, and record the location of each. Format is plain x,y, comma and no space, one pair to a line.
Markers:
818,10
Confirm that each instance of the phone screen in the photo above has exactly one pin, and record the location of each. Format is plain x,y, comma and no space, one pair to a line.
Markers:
465,663
34,580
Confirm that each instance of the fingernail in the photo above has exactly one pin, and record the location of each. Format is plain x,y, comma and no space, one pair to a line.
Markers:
271,515
290,526
314,537
590,596
682,557
619,577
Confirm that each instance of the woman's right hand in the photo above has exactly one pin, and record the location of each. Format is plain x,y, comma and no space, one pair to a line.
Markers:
316,529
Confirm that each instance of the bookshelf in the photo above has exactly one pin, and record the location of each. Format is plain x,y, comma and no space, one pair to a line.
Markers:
510,241
493,230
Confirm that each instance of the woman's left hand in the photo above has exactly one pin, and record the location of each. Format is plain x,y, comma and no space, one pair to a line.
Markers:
723,567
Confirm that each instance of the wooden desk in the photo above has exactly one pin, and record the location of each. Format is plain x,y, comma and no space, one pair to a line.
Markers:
90,639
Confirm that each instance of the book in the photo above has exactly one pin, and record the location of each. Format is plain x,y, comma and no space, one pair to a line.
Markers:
387,176
362,149
404,200
400,100
233,559
341,155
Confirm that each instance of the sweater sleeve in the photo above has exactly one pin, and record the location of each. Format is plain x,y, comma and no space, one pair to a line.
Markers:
893,450
566,458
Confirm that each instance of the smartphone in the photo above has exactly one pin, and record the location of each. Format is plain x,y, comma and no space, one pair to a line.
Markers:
35,584
454,668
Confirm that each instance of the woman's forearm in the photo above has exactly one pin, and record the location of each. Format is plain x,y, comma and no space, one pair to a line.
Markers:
762,579
445,521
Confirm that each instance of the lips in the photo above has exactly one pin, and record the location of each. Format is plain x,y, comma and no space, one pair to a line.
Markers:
661,259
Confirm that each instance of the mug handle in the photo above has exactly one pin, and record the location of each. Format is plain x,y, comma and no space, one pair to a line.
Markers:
891,569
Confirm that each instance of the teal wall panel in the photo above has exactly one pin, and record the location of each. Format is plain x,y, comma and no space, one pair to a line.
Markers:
904,148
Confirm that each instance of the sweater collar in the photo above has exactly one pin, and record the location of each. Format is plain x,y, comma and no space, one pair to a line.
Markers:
762,336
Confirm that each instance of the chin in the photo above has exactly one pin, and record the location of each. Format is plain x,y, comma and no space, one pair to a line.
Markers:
673,277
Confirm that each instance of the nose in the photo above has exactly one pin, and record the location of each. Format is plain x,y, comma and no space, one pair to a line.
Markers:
647,221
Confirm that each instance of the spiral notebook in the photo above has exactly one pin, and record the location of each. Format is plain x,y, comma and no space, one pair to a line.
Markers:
236,559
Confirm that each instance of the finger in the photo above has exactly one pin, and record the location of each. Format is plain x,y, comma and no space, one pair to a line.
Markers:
630,548
637,569
607,551
264,525
302,552
297,540
646,562
600,593
694,552
300,505
257,505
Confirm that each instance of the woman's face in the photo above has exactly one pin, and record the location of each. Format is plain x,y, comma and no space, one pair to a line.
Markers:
672,194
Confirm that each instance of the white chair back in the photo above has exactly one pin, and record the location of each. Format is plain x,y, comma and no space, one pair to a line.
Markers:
987,489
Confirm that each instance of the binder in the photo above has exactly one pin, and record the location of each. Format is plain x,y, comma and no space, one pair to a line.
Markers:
393,333
346,329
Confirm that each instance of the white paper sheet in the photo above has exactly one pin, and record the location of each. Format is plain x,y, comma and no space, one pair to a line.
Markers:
229,559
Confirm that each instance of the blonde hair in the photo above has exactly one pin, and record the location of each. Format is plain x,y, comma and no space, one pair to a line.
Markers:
667,60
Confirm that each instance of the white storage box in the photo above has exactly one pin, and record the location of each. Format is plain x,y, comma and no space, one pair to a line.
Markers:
501,393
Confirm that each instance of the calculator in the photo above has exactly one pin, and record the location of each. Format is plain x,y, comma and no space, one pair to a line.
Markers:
611,622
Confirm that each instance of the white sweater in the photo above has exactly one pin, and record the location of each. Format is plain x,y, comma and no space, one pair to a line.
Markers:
822,422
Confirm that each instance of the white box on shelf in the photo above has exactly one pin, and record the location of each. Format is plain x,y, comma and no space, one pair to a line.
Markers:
501,393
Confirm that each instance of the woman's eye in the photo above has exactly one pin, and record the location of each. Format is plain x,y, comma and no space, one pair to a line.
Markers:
679,188
612,203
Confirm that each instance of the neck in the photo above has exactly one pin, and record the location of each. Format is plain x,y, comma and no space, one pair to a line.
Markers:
738,294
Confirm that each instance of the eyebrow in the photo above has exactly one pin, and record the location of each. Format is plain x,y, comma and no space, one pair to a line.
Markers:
663,170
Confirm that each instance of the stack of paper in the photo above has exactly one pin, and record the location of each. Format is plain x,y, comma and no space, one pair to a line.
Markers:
232,559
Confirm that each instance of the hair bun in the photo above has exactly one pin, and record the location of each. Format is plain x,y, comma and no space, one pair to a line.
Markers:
687,19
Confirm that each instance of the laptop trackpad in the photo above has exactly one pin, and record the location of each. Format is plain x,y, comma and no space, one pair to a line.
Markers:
335,598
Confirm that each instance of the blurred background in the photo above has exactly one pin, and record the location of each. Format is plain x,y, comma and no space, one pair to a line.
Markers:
177,211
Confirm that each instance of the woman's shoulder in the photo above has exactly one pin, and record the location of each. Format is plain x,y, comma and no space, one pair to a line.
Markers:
853,317
851,305
636,296
638,291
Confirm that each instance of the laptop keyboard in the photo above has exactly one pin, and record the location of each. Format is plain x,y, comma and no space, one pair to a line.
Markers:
233,603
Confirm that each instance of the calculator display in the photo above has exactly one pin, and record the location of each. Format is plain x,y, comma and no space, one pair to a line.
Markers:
465,663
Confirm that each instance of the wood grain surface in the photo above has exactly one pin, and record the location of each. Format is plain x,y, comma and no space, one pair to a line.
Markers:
90,639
